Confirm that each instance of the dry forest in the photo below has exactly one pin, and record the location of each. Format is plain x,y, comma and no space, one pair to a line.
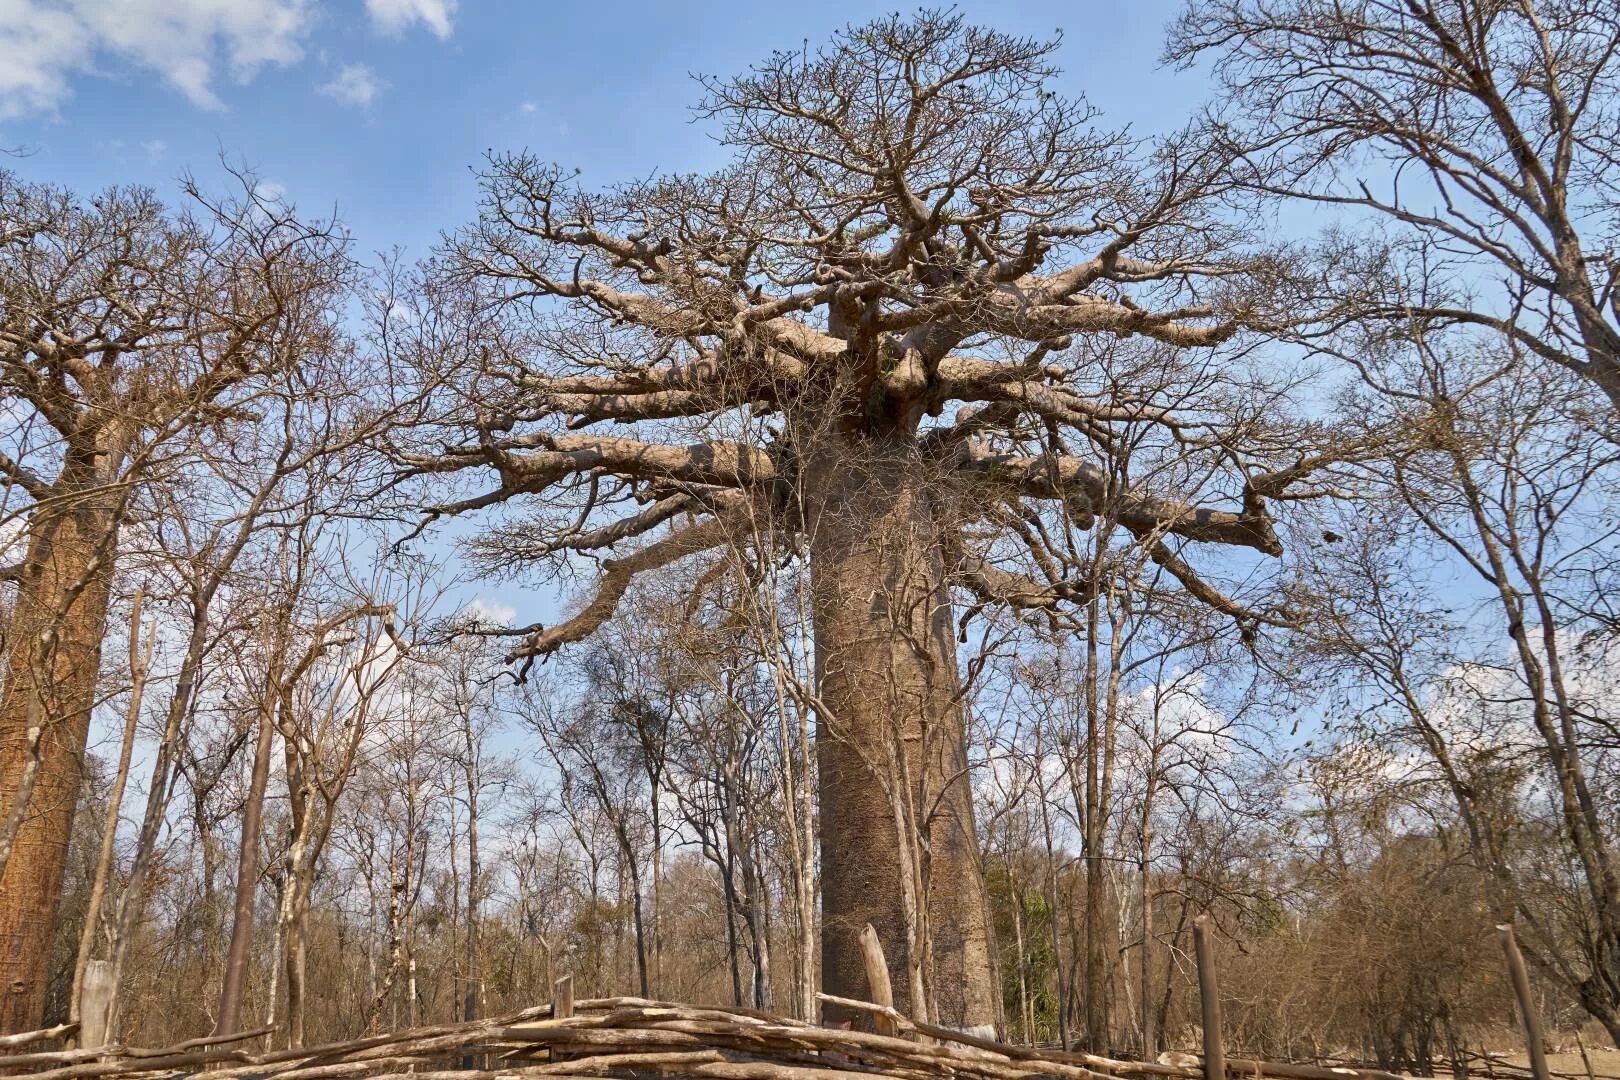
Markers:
1068,562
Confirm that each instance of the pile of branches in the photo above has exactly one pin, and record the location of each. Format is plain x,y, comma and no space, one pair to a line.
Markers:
631,1038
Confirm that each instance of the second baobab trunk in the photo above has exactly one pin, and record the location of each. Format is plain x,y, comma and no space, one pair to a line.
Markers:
53,656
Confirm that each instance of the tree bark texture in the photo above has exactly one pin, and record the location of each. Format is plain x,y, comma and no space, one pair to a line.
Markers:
892,728
52,659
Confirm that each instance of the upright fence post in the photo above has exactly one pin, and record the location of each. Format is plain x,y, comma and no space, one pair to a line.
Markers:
95,1004
1209,995
562,1007
877,981
1527,1005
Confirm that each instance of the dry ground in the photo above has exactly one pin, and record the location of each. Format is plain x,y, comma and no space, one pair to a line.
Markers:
1605,1062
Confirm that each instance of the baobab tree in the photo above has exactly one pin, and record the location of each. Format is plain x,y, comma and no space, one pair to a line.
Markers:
911,222
127,331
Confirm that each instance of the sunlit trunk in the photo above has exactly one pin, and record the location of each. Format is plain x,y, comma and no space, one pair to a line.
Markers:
890,742
53,654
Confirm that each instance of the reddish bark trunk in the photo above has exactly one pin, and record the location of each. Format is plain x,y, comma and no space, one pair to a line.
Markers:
892,727
53,654
247,880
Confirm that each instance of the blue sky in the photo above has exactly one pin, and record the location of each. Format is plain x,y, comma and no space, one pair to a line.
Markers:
379,107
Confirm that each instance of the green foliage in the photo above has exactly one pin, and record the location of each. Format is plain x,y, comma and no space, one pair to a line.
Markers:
1012,907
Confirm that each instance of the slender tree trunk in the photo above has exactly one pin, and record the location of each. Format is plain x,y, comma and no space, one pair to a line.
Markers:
247,879
296,942
140,658
1095,982
54,654
805,875
886,660
132,902
1026,1016
277,943
410,992
729,892
469,1003
798,809
760,927
470,1006
398,884
1052,905
657,885
1150,1038
635,914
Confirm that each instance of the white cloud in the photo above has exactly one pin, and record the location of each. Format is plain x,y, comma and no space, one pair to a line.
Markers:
270,191
186,42
490,611
39,45
397,16
154,148
528,106
356,84
46,44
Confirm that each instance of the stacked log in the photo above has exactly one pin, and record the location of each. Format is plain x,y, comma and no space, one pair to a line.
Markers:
630,1038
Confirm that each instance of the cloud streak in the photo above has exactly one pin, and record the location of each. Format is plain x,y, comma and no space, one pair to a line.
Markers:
355,84
185,42
188,44
397,16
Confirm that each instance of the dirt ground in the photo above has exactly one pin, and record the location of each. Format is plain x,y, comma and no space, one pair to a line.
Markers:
1605,1062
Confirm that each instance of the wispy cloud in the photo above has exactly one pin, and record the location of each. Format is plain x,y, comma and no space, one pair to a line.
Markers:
490,611
355,84
397,16
186,42
47,45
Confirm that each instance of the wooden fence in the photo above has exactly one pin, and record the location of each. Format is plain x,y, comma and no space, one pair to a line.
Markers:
633,1037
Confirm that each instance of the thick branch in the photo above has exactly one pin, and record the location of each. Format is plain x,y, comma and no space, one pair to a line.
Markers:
1068,478
615,581
964,379
708,464
15,474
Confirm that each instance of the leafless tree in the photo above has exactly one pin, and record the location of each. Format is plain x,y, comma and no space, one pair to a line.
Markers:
1502,684
1489,133
912,219
125,328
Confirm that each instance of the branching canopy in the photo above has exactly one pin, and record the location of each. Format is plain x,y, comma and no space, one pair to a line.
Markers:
913,226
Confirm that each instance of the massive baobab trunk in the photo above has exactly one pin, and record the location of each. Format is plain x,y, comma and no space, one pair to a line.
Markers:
891,735
53,652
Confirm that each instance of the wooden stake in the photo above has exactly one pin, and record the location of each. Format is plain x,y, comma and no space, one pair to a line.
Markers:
562,998
877,980
1209,995
1527,1006
95,1004
562,1007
